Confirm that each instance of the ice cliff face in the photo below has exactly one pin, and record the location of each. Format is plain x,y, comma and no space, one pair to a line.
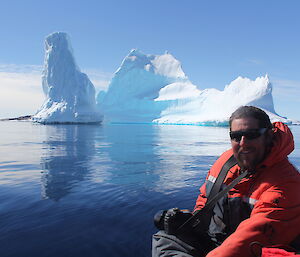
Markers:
70,95
153,88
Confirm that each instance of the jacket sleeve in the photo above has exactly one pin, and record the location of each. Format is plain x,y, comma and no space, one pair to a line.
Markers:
202,198
275,219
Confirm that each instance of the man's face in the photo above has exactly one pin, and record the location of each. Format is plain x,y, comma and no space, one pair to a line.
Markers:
248,152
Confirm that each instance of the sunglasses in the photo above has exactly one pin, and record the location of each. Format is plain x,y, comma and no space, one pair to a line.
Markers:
248,134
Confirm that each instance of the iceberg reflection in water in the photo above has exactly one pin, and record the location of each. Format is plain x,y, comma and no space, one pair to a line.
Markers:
88,190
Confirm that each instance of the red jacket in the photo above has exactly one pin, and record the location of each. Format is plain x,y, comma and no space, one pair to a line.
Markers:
264,207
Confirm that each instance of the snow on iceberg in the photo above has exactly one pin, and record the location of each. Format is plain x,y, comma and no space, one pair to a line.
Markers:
70,95
153,88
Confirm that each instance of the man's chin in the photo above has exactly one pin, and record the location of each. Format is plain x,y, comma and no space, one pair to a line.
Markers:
246,165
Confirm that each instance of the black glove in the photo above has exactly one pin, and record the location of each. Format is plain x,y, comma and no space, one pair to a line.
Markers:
171,219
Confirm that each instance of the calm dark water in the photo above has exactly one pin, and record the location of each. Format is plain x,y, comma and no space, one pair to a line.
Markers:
85,190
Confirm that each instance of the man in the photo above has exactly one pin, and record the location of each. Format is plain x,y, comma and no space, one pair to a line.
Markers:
263,209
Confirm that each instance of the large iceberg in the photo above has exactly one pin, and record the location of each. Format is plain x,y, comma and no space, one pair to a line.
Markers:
136,84
70,95
154,88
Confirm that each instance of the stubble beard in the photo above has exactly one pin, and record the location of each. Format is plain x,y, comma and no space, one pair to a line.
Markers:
246,164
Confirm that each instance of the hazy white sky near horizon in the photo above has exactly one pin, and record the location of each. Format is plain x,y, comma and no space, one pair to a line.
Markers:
215,41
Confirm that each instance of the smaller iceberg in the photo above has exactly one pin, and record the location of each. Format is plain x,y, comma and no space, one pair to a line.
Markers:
213,107
70,95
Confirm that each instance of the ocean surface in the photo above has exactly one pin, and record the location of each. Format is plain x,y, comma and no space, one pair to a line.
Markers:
92,190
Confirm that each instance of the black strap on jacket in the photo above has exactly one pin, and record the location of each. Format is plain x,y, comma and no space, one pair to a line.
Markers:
221,177
204,215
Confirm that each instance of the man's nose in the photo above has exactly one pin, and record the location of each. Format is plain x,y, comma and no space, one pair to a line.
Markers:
243,141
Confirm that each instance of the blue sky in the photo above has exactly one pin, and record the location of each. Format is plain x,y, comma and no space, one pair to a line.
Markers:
216,41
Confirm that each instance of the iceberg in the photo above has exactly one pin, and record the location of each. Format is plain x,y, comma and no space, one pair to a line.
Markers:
214,107
135,86
70,95
154,89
